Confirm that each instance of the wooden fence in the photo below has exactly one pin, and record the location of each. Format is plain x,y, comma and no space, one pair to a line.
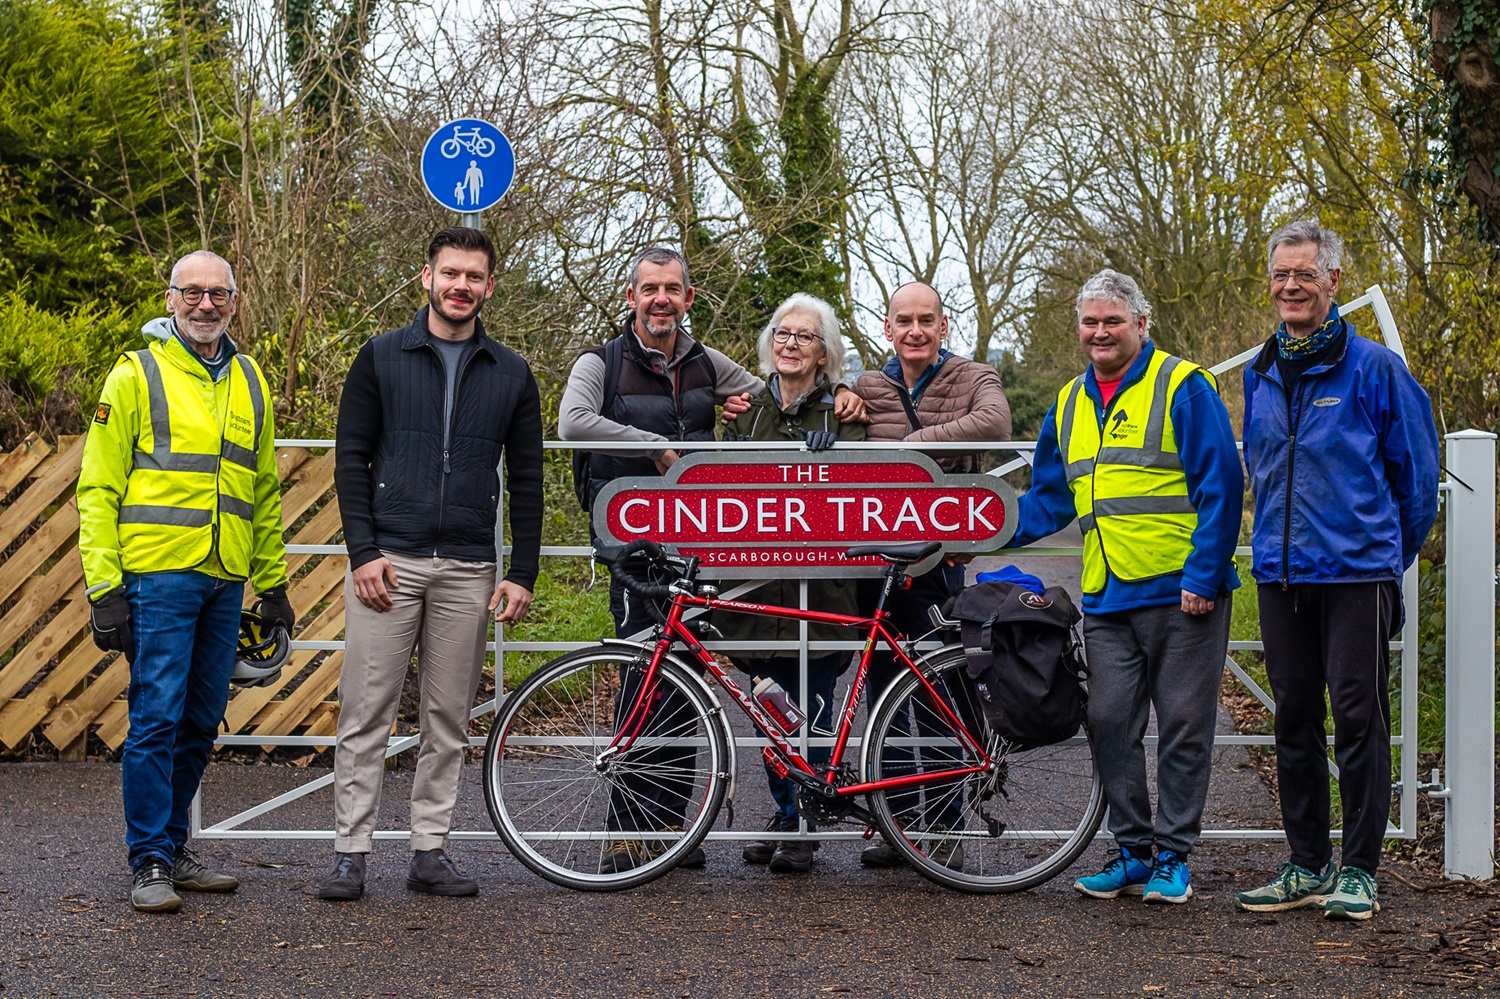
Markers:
55,683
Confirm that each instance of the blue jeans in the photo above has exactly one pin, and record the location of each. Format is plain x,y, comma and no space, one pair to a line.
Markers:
186,627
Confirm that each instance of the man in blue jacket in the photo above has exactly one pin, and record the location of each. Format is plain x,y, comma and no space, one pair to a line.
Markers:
1140,450
1342,454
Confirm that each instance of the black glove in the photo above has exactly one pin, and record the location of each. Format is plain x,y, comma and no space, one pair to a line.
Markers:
820,440
109,617
274,608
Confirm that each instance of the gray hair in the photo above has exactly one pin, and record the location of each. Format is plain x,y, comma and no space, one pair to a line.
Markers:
1112,286
1330,244
202,255
658,255
828,329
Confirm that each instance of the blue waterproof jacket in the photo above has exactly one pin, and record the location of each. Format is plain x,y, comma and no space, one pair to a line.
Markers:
1345,472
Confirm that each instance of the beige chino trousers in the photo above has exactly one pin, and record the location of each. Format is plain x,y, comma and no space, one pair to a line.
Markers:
441,608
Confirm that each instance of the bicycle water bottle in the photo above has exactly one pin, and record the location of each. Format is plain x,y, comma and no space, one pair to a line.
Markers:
772,696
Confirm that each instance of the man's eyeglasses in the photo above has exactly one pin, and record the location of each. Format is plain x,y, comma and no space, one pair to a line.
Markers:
797,336
1282,278
192,296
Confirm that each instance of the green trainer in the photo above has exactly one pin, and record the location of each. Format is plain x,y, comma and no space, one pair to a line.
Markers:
1293,887
1353,896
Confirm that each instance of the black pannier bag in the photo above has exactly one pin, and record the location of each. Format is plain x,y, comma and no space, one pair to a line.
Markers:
1025,660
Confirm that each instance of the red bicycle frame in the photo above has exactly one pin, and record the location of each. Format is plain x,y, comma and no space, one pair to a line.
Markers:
876,627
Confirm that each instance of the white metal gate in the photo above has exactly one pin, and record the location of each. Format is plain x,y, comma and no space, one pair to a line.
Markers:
1469,493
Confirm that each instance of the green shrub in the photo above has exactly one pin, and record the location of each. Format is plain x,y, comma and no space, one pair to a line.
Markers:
52,365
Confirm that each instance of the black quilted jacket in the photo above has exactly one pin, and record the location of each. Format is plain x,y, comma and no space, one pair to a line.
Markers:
403,488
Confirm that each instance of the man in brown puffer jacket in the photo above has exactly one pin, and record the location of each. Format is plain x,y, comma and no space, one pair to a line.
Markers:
925,393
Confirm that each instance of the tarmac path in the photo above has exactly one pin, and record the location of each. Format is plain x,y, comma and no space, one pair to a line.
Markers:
66,927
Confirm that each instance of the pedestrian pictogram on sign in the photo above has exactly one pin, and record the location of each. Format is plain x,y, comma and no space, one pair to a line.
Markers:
468,165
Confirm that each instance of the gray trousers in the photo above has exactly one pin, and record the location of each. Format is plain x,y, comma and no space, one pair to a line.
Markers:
1161,657
441,607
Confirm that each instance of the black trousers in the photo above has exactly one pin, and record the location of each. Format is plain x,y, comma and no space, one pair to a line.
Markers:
936,804
654,792
1334,636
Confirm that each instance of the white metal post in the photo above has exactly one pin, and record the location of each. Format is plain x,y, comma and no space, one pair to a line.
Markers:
1469,826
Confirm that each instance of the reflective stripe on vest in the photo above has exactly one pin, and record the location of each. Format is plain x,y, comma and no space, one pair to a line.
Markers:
1131,494
193,488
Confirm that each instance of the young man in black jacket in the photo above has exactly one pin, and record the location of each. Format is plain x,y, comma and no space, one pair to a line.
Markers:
426,414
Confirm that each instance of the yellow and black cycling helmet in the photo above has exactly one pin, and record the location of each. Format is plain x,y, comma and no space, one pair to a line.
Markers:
262,651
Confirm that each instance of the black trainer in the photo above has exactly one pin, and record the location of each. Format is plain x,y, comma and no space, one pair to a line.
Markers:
433,873
346,882
793,856
760,851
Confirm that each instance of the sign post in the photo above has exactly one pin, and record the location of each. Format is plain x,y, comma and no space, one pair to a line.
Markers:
468,165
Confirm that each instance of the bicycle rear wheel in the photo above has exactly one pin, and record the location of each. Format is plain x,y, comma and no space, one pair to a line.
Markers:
593,821
1003,831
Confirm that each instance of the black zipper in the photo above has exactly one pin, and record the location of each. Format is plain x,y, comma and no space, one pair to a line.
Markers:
1094,479
463,366
1294,416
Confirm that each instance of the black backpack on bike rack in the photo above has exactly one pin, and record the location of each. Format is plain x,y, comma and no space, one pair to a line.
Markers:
1025,660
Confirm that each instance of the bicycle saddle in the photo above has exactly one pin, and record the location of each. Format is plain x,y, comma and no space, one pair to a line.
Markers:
897,554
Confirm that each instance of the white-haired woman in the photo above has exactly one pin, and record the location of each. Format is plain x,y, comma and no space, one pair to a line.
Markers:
801,355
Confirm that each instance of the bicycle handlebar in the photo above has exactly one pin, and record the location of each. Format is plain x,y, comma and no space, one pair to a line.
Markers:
654,557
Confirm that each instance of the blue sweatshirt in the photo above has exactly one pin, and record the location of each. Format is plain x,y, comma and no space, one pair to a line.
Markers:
1215,481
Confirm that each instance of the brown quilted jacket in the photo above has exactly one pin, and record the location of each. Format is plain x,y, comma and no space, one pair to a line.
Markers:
964,402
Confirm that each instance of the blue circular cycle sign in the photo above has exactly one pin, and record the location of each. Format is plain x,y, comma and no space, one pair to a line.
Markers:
468,165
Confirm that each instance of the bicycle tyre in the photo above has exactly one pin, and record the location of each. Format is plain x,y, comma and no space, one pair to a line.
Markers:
1049,799
450,148
551,801
484,146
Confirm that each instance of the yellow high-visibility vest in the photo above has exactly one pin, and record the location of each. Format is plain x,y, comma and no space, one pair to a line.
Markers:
1128,485
179,472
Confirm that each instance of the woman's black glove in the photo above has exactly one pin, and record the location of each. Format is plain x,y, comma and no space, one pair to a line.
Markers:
275,608
820,440
109,618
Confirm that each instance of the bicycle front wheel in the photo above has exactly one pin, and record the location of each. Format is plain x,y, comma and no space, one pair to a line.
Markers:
583,816
1005,830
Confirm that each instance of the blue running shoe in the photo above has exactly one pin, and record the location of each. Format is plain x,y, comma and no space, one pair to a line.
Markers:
1170,882
1125,875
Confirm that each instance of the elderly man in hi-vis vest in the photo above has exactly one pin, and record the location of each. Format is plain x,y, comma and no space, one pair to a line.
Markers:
179,505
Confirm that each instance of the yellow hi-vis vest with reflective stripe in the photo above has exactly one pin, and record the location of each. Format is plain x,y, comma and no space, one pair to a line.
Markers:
1128,486
179,472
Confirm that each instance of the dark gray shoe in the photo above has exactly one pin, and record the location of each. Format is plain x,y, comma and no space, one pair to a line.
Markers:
189,874
793,856
881,854
153,890
761,851
346,882
432,873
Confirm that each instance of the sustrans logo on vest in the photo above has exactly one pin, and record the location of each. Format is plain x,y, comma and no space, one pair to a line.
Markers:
1120,426
240,423
1327,400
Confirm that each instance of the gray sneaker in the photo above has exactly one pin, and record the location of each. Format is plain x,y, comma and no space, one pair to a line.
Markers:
189,874
1293,887
1353,896
153,889
881,854
945,849
433,873
346,882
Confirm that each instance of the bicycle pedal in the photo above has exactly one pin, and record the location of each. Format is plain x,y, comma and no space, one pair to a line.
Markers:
776,762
